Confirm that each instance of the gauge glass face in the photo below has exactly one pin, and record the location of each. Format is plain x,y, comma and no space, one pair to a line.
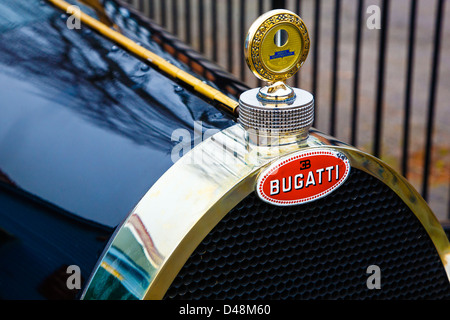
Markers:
281,48
276,46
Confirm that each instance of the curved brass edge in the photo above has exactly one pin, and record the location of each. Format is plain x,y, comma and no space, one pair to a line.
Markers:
208,221
191,198
397,183
203,89
197,181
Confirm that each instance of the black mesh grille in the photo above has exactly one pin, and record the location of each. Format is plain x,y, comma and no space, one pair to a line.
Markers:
319,250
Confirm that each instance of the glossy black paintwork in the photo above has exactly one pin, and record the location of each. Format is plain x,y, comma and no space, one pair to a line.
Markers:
83,124
85,128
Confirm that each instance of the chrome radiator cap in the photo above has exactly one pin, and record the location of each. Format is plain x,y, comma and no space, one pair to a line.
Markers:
277,45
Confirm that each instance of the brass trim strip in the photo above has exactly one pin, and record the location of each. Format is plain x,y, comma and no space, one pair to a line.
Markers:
223,169
100,11
156,61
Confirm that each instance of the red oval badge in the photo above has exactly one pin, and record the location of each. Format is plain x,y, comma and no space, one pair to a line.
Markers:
303,177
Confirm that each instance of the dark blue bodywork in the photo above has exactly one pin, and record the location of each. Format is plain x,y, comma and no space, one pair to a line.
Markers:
85,131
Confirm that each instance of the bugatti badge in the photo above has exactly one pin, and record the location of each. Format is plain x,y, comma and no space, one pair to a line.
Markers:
303,177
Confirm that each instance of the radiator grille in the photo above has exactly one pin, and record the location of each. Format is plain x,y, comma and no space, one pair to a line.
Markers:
318,250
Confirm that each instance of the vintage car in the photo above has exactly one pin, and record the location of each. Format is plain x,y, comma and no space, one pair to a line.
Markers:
131,167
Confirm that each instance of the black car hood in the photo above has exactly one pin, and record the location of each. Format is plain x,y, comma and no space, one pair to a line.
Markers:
85,130
84,125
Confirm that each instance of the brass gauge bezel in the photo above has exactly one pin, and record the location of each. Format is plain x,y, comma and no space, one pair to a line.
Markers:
256,36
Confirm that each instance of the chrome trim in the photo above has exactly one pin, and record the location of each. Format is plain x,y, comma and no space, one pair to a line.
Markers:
187,202
276,118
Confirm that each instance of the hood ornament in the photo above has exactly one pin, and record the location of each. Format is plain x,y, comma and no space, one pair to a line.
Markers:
276,46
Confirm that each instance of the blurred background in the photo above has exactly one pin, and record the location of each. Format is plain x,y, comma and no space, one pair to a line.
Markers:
385,91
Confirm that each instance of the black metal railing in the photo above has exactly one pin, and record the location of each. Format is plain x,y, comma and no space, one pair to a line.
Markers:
341,72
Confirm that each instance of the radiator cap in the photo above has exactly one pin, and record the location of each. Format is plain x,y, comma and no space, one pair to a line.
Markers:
276,46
